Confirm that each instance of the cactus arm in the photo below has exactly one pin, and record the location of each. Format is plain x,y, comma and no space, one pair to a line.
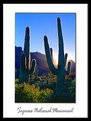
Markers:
27,47
27,43
23,68
23,62
48,56
61,46
68,68
33,66
65,59
51,53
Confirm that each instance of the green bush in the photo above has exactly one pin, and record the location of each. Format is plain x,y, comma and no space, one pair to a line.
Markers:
42,90
70,87
17,81
29,93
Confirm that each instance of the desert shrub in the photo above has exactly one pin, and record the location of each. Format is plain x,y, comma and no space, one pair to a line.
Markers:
46,95
30,93
50,83
17,80
70,87
42,95
22,93
74,82
42,90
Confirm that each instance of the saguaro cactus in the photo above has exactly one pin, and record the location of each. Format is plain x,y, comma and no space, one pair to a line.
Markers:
62,59
26,66
51,53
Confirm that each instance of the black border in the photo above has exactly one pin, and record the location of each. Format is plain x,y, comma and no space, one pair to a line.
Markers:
1,45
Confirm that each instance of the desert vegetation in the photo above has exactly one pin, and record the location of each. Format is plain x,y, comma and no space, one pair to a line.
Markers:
43,91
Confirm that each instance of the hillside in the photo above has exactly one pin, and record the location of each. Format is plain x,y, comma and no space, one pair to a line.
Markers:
41,62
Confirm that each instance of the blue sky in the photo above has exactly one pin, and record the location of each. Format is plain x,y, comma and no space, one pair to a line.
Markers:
46,24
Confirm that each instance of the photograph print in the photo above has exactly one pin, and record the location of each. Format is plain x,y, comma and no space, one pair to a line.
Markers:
45,58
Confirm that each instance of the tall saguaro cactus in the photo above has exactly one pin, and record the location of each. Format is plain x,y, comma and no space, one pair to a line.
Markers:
26,66
62,59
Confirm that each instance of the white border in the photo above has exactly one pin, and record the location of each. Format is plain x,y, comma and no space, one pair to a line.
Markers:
9,107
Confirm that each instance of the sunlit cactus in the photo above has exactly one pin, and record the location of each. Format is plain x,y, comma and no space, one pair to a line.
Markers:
26,66
62,59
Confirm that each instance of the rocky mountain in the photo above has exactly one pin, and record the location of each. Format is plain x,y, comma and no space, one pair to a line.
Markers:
73,66
40,59
42,65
